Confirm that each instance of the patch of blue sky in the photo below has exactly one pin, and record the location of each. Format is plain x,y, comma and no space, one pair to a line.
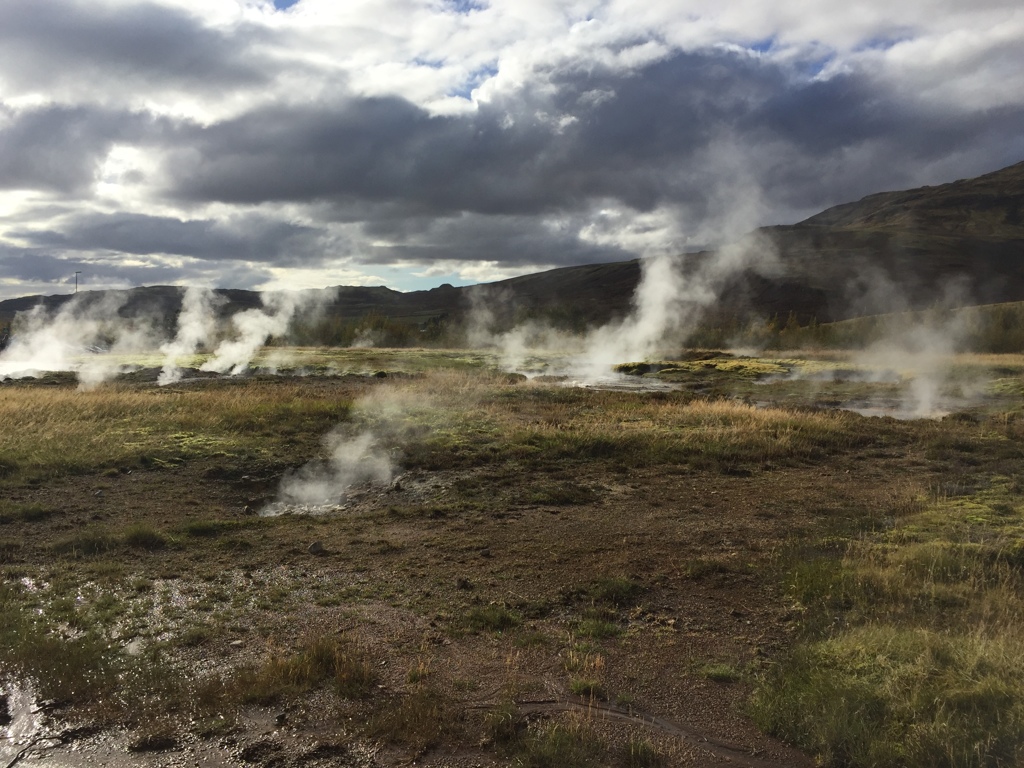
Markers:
284,5
466,6
431,63
762,46
477,76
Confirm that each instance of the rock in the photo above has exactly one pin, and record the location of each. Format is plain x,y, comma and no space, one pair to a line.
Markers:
5,711
317,548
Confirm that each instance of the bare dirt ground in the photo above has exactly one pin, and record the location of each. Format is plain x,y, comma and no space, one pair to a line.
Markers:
399,570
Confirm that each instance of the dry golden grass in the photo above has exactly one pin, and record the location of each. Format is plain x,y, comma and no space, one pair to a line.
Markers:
53,430
477,411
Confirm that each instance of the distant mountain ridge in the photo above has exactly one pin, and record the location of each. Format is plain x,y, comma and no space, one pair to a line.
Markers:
849,260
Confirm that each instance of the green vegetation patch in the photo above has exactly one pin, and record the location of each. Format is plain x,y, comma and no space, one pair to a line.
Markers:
924,665
56,431
882,695
419,719
492,618
572,744
18,512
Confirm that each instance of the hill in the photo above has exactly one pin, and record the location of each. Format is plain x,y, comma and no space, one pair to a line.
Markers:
890,251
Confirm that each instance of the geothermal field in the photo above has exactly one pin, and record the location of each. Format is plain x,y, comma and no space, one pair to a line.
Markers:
224,554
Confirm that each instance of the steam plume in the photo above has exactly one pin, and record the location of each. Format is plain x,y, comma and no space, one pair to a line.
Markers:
85,335
253,327
351,461
197,325
922,346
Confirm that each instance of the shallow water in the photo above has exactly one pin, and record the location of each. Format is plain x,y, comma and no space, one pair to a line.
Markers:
26,726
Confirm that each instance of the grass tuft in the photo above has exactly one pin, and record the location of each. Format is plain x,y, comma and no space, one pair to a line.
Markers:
144,537
11,512
419,719
323,660
86,544
641,753
492,618
572,744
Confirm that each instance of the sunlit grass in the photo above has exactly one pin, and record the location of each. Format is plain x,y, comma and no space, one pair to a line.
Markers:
51,431
915,648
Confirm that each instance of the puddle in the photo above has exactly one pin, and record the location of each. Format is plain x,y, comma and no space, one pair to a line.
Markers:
624,383
21,722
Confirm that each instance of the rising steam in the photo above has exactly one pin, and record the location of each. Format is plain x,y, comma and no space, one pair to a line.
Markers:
351,461
669,302
197,325
921,347
252,329
86,335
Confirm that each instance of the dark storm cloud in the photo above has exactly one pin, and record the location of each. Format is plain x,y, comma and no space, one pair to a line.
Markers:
35,266
46,44
846,137
41,267
58,148
601,135
688,133
576,137
249,238
510,240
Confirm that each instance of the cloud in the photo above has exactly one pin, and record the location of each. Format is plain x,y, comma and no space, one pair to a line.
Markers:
237,140
246,237
65,48
59,148
644,138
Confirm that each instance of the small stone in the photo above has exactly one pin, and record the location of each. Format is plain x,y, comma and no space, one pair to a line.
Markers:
98,494
316,548
236,643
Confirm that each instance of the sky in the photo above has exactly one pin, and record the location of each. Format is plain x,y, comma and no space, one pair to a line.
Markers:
408,143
